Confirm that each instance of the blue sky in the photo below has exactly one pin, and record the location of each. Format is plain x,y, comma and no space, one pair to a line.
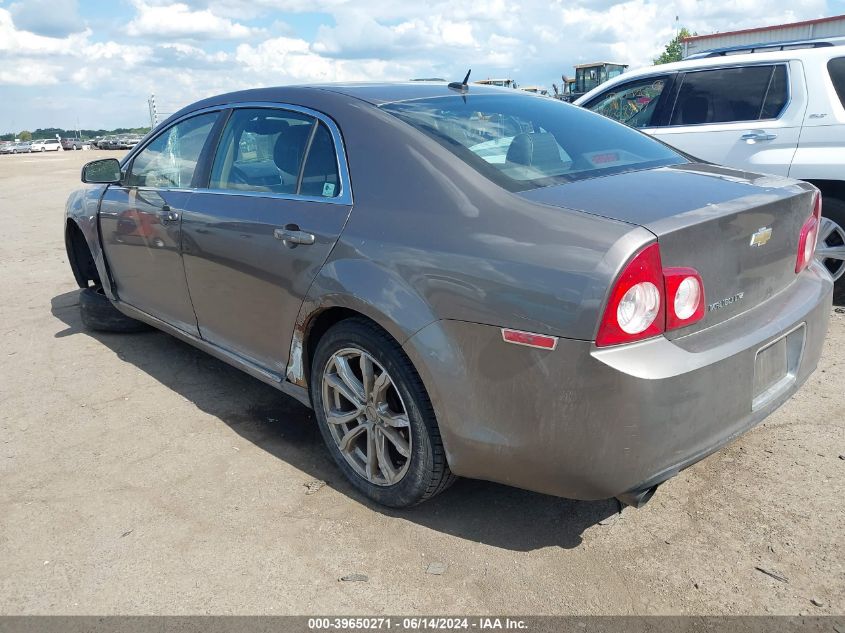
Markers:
95,62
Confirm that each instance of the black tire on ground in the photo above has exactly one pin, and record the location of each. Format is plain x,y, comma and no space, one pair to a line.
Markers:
428,473
100,315
834,209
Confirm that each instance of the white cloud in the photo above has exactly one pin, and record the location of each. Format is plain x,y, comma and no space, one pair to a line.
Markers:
54,18
181,22
190,49
30,73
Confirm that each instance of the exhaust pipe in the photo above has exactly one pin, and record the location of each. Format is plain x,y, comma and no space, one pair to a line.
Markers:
637,498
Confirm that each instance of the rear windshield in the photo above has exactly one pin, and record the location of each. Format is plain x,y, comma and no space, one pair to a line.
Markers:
522,142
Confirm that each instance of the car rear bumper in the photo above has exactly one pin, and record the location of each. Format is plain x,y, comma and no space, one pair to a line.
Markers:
591,423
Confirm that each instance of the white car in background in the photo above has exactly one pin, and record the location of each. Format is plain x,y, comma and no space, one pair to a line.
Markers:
774,111
46,145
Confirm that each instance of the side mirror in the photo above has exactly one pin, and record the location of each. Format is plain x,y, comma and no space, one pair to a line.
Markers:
105,171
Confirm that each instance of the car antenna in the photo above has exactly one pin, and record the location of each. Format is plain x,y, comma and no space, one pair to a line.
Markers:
463,87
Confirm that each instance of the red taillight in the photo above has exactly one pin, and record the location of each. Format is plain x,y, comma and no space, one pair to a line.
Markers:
635,308
808,236
684,297
647,300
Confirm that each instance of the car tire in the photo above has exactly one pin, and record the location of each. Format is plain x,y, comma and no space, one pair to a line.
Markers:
373,462
100,315
832,237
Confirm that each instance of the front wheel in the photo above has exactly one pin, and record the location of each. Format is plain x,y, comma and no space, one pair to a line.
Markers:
830,250
375,416
100,315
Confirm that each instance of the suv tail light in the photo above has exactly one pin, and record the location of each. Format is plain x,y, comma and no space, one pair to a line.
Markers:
809,235
647,300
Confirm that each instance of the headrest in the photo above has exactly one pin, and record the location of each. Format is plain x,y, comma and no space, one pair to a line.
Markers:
536,149
264,126
290,146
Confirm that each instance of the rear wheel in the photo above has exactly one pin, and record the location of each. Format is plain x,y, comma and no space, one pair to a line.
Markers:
100,315
831,246
375,416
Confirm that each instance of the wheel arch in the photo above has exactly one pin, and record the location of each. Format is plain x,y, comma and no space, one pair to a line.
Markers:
79,256
350,286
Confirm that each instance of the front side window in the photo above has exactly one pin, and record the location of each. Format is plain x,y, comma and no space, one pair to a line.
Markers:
633,103
728,95
522,142
276,151
170,160
836,68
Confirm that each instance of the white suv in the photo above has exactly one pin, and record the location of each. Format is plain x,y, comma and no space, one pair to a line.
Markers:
779,112
46,145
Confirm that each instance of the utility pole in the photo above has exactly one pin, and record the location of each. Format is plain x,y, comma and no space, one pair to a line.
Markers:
151,102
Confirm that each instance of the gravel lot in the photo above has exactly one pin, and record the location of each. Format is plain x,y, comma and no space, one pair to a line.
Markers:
138,475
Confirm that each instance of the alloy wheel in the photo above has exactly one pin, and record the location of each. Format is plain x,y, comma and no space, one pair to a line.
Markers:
830,251
366,417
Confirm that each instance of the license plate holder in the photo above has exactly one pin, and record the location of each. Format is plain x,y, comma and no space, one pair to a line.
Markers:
776,366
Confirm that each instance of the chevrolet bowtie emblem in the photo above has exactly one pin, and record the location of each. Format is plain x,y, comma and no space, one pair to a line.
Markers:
761,236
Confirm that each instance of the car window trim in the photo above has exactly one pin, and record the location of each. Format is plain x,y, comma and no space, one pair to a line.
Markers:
773,65
209,151
305,155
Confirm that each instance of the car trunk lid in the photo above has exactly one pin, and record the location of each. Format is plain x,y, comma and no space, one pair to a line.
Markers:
738,230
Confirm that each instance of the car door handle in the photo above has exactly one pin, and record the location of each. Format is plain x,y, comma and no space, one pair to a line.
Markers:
752,136
291,235
168,215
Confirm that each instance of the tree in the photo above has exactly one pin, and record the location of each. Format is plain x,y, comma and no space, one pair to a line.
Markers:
674,49
25,135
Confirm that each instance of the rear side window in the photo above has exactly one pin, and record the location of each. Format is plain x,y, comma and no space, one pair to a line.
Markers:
262,150
523,142
633,103
726,95
276,151
836,68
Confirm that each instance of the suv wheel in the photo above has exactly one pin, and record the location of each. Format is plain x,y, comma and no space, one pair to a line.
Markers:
831,247
375,416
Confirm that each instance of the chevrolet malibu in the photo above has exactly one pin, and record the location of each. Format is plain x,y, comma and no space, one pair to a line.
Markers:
463,281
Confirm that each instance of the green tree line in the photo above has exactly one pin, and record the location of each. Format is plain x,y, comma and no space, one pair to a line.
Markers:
50,132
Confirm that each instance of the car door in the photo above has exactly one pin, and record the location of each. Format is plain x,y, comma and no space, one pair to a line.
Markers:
744,116
640,103
140,222
277,199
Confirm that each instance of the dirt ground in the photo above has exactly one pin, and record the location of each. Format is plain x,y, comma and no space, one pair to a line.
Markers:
140,476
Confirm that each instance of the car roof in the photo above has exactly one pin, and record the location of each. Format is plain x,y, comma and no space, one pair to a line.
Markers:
380,93
374,93
739,59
